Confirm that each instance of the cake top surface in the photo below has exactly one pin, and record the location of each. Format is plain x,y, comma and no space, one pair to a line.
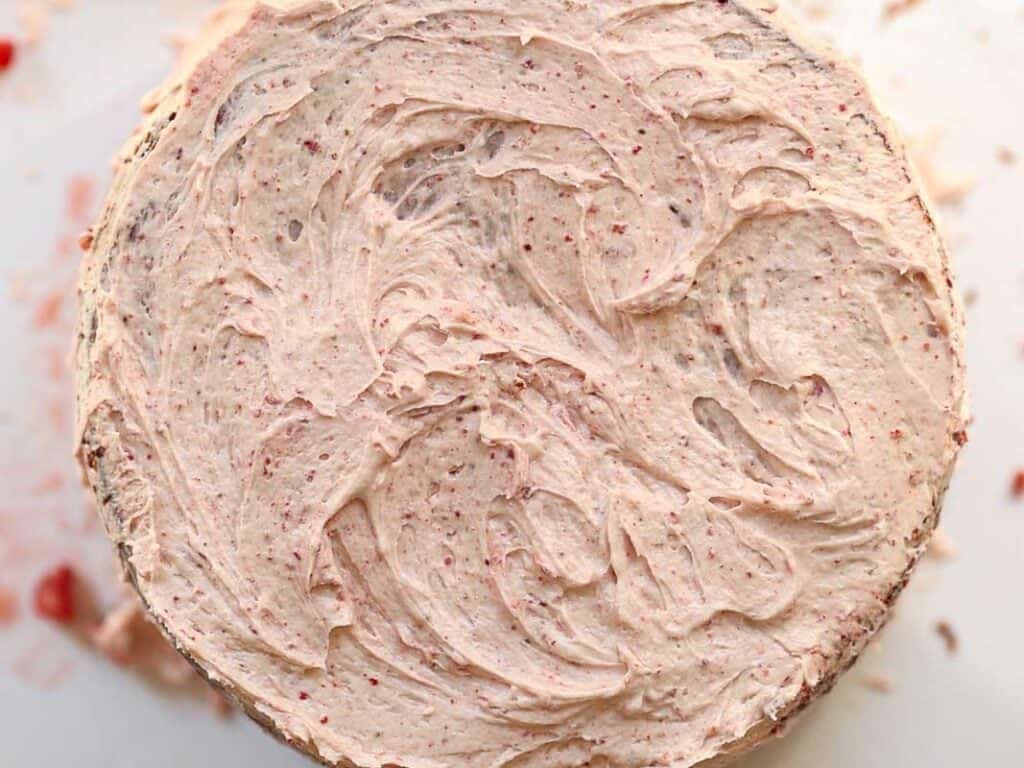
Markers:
484,384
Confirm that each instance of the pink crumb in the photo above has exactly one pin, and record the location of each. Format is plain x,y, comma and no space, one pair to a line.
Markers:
48,310
8,607
79,198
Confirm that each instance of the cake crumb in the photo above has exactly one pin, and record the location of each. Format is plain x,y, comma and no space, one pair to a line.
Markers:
8,51
895,8
878,683
970,297
941,546
1006,156
1017,485
943,186
945,630
8,607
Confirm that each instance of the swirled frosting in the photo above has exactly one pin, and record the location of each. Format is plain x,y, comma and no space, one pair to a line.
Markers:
517,384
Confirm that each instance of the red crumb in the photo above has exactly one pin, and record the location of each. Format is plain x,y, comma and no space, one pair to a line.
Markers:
945,630
312,146
48,310
323,721
85,240
7,53
303,696
374,681
55,595
896,434
79,194
8,607
960,437
1017,486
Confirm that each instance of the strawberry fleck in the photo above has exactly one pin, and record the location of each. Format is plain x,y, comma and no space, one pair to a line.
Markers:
374,681
312,146
54,596
303,696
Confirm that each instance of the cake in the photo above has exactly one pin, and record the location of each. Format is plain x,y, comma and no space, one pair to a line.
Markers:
549,383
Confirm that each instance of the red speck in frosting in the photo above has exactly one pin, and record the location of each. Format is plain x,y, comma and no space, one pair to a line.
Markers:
960,437
842,107
1017,486
55,595
374,681
323,721
312,145
637,149
809,152
303,696
896,434
7,51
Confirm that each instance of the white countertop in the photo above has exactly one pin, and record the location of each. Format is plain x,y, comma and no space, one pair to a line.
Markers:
70,101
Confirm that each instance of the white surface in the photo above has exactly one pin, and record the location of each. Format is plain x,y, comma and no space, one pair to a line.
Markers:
70,102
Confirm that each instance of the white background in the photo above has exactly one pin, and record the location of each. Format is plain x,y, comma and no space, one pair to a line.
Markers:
955,65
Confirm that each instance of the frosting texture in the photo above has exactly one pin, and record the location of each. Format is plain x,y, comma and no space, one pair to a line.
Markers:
517,384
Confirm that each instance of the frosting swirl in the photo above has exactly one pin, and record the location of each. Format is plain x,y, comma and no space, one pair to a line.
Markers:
469,384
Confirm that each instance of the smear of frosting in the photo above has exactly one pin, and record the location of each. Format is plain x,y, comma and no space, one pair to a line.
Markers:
485,384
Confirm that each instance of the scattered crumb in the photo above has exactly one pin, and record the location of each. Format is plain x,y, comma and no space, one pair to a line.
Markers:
941,546
945,630
814,10
55,595
34,18
48,310
1017,485
878,683
970,297
8,607
8,51
942,186
895,8
220,704
1006,156
79,197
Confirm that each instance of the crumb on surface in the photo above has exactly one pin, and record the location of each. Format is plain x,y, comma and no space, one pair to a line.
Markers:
941,546
1017,484
878,683
949,637
8,607
895,8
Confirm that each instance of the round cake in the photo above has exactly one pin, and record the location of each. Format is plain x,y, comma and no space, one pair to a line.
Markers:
535,384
